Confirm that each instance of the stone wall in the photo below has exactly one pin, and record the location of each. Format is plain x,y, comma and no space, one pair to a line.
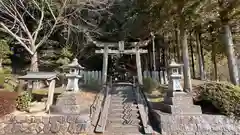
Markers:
58,125
198,125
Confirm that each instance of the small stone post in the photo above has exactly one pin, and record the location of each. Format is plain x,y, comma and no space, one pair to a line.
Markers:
51,88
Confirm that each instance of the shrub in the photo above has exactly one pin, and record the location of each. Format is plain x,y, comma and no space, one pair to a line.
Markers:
149,85
3,78
10,82
7,70
24,101
224,96
7,102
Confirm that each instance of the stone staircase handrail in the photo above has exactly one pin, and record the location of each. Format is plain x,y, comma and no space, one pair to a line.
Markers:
95,108
101,124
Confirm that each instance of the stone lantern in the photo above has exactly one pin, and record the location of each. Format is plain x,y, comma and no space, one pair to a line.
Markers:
176,100
73,76
175,77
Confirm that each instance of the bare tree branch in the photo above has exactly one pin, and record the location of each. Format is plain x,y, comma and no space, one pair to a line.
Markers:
17,38
35,33
13,14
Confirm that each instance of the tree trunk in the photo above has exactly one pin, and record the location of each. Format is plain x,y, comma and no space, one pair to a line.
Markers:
232,65
200,57
34,63
1,67
169,58
154,53
174,51
145,62
192,55
34,68
178,46
150,58
164,57
215,72
186,69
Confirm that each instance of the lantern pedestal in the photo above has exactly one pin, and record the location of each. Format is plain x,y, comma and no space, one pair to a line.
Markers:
67,104
179,103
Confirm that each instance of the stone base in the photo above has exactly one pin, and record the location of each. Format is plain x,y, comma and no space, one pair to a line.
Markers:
198,125
44,125
67,103
179,103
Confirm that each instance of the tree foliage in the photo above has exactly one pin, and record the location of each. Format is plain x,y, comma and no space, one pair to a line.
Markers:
4,52
65,56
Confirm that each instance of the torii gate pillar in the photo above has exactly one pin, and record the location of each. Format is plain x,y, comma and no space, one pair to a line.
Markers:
139,67
105,65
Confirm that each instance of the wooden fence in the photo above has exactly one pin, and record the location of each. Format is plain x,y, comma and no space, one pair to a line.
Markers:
96,76
91,76
159,76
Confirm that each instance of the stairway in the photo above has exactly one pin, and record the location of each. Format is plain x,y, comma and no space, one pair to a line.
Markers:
123,117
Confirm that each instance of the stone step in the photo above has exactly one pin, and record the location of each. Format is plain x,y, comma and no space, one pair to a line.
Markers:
124,131
123,92
119,106
123,95
131,104
121,110
120,103
129,89
118,125
120,115
121,121
123,98
182,109
113,133
179,100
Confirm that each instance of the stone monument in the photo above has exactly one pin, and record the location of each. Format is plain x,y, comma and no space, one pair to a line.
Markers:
176,100
73,76
68,102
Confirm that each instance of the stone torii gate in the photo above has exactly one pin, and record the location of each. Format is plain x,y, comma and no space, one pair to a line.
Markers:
120,50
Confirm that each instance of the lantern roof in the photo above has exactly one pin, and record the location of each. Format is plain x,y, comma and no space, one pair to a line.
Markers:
75,64
173,64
